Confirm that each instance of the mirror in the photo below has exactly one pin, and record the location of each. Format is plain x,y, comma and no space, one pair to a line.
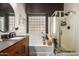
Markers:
7,18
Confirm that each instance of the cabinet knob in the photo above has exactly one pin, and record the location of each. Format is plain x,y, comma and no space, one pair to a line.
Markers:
16,52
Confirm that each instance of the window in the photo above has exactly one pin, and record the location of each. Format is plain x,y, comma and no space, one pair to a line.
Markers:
37,24
11,22
2,23
7,22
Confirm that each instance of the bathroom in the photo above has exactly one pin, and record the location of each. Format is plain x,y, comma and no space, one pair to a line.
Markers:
44,22
59,25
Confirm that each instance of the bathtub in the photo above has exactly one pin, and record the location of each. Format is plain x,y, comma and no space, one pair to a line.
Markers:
36,47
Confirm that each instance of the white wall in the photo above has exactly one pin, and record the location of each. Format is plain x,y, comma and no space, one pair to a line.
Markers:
20,17
74,20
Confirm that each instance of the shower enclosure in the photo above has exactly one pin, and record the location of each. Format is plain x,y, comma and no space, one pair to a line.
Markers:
62,26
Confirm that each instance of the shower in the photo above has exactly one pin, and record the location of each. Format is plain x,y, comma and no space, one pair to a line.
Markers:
65,29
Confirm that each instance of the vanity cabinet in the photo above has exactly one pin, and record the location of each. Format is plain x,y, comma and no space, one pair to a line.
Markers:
20,48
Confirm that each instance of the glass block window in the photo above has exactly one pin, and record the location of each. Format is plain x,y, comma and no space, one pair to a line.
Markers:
2,23
37,24
11,22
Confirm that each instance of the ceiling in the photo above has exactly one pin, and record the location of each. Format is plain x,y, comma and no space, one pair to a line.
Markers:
47,8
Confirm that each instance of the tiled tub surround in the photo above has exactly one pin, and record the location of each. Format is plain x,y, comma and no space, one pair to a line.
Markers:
36,47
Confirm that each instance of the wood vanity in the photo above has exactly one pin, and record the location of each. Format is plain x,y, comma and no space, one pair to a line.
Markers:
20,48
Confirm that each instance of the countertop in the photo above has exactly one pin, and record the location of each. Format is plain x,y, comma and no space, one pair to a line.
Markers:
8,43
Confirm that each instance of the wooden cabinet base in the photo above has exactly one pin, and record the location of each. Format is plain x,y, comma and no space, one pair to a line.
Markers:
20,48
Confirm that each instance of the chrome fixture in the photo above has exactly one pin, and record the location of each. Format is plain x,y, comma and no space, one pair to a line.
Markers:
69,12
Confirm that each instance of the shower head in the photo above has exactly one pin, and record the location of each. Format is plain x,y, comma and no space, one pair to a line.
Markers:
69,12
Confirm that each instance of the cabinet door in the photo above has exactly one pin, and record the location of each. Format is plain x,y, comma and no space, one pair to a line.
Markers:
9,51
18,51
22,49
26,46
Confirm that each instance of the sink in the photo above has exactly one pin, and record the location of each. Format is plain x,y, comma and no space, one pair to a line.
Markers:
16,38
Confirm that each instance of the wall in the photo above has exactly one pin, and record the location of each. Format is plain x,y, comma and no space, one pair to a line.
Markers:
73,20
20,17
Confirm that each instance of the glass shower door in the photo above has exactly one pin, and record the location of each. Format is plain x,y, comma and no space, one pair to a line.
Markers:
65,33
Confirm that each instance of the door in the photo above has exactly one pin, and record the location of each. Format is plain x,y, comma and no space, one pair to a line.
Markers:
67,35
